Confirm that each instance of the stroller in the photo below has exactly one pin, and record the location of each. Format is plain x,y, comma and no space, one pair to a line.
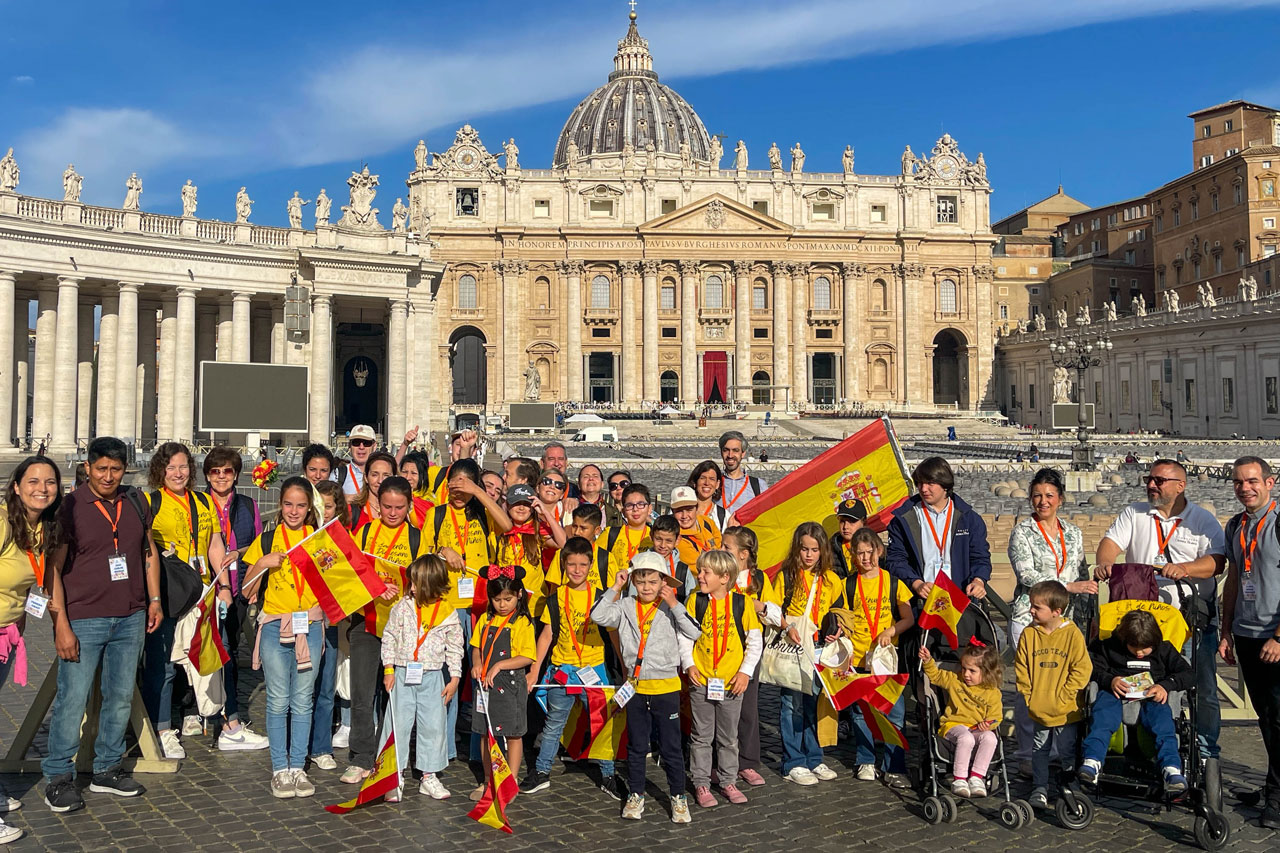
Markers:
938,803
1129,769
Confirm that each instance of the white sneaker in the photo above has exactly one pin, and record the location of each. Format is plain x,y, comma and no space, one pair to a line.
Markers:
171,745
324,762
960,787
9,833
977,787
802,776
301,784
825,773
433,787
242,740
12,805
866,773
342,737
282,787
192,726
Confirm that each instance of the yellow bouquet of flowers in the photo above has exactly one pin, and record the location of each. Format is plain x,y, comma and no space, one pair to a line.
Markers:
264,474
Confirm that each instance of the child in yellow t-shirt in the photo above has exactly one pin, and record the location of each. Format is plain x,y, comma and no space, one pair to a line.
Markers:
719,664
972,714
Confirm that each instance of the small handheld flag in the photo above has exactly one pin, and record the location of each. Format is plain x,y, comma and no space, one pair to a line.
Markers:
342,577
500,790
881,729
384,779
943,609
206,653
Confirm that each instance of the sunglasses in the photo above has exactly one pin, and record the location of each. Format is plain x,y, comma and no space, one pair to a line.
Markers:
551,481
1160,481
222,472
621,484
360,442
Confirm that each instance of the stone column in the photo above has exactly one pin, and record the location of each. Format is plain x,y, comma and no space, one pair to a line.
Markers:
781,337
65,364
147,377
184,396
652,386
849,329
512,325
260,336
278,336
799,333
321,366
689,332
108,338
42,372
572,270
629,363
212,343
241,326
911,340
742,330
167,368
84,372
23,367
222,351
125,375
8,365
397,370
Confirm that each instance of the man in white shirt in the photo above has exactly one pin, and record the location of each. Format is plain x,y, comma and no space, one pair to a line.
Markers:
362,440
738,488
1185,544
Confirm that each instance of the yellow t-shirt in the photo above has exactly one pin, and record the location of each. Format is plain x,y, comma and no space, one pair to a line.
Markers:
872,595
511,552
627,545
476,551
523,642
172,526
16,576
718,653
395,550
579,643
285,589
704,537
829,594
440,494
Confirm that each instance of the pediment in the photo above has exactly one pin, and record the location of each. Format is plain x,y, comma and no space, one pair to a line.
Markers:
715,213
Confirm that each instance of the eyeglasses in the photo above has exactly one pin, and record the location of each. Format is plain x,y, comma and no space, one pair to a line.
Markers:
1160,481
222,472
621,484
360,442
634,505
553,482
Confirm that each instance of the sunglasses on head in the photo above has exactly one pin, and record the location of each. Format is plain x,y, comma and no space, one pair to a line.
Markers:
621,484
552,481
360,442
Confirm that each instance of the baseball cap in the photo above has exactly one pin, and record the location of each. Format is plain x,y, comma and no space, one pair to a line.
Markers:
520,493
683,496
651,561
853,509
362,431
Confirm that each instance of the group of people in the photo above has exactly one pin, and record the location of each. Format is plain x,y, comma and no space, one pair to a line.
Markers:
515,594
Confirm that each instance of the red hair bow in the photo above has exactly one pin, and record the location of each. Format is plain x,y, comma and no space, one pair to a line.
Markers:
974,641
502,572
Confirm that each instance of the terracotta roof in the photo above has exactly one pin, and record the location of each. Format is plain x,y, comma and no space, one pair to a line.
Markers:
1236,103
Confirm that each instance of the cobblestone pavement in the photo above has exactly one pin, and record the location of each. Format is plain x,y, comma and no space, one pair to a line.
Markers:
220,801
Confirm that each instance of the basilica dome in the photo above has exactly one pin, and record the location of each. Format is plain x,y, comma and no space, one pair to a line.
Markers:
633,107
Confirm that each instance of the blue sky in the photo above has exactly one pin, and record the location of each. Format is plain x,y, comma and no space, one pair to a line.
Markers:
284,96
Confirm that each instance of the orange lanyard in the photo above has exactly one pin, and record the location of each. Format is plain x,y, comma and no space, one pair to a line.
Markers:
37,566
297,575
493,634
185,509
559,511
1161,539
717,656
512,543
1062,539
224,518
746,481
643,619
386,554
115,525
632,549
422,635
946,530
459,533
1247,552
351,469
873,628
573,632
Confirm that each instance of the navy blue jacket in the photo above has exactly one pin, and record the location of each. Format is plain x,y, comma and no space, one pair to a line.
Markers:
970,553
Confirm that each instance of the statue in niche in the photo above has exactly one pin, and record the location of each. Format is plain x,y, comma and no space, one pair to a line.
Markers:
740,156
71,184
294,207
189,199
532,382
399,213
775,158
797,158
244,206
324,205
420,155
132,191
846,159
9,172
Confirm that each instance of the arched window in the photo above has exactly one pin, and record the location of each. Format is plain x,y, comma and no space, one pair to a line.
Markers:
947,297
760,295
542,293
822,294
761,393
879,295
879,375
467,291
715,292
600,292
667,297
669,385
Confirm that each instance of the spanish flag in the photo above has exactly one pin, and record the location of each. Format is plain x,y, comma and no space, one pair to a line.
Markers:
943,609
338,572
384,779
207,654
847,689
881,729
867,465
599,732
501,789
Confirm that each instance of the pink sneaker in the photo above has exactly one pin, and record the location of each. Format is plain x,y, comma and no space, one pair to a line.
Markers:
735,796
751,777
702,796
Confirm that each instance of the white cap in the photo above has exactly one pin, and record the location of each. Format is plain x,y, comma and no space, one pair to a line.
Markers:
648,560
362,431
683,496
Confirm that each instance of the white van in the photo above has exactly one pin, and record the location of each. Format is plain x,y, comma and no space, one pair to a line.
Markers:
596,433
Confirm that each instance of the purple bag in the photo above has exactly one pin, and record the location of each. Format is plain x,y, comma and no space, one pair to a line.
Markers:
1136,581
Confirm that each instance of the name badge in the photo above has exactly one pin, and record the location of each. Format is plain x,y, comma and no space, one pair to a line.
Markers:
1248,588
481,702
37,604
200,565
624,694
301,625
413,673
119,567
588,676
715,689
1160,561
466,587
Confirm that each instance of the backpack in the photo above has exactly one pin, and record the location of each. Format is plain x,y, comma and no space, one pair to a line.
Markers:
553,616
851,594
180,584
441,478
701,601
437,522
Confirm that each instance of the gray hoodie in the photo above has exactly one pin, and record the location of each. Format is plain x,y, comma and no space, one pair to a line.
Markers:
662,651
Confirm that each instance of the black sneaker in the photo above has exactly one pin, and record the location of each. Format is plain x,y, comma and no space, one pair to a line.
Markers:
535,782
612,786
1270,816
61,794
115,781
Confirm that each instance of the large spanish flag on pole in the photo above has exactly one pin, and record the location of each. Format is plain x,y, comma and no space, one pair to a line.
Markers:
339,573
867,465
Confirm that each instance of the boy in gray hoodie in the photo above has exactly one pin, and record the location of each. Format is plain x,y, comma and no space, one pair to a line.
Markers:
648,626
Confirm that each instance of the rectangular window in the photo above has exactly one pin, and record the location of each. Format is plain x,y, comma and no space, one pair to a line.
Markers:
760,332
760,207
1228,394
467,201
1205,131
601,209
1269,222
668,205
878,214
759,298
668,298
1231,152
1189,396
1130,256
600,332
1237,192
1227,125
542,208
1213,202
1155,396
1161,276
823,333
1268,250
1094,246
1159,224
668,331
1095,224
1195,210
824,212
1177,217
1031,396
1273,404
1217,264
1004,311
1111,219
1113,283
1197,270
1240,259
947,209
1206,160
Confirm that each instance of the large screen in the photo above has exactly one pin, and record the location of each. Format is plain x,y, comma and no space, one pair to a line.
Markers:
240,397
539,416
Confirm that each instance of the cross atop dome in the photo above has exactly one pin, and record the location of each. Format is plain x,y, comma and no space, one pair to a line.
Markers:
633,55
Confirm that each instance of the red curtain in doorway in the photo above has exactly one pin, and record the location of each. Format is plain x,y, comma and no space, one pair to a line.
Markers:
715,377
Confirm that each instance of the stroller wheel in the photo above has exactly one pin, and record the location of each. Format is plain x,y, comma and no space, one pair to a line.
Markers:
932,810
1212,831
1028,813
1011,816
1074,810
950,808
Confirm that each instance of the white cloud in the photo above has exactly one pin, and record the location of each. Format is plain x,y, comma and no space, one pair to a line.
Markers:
22,79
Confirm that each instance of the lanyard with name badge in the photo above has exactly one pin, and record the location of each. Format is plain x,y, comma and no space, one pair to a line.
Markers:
715,686
492,632
37,600
116,563
301,624
627,690
586,674
873,628
940,542
466,585
1248,586
1161,558
413,672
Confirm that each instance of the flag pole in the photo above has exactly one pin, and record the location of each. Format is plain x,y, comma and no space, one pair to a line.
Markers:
314,534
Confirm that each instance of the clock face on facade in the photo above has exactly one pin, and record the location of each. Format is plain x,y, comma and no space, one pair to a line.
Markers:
948,167
467,157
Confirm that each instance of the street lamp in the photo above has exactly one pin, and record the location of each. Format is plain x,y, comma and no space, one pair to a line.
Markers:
1079,354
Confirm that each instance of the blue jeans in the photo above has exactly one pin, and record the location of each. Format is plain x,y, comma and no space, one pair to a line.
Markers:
1208,705
559,704
798,725
895,759
1154,717
289,695
326,687
420,703
157,674
1049,739
116,644
464,616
